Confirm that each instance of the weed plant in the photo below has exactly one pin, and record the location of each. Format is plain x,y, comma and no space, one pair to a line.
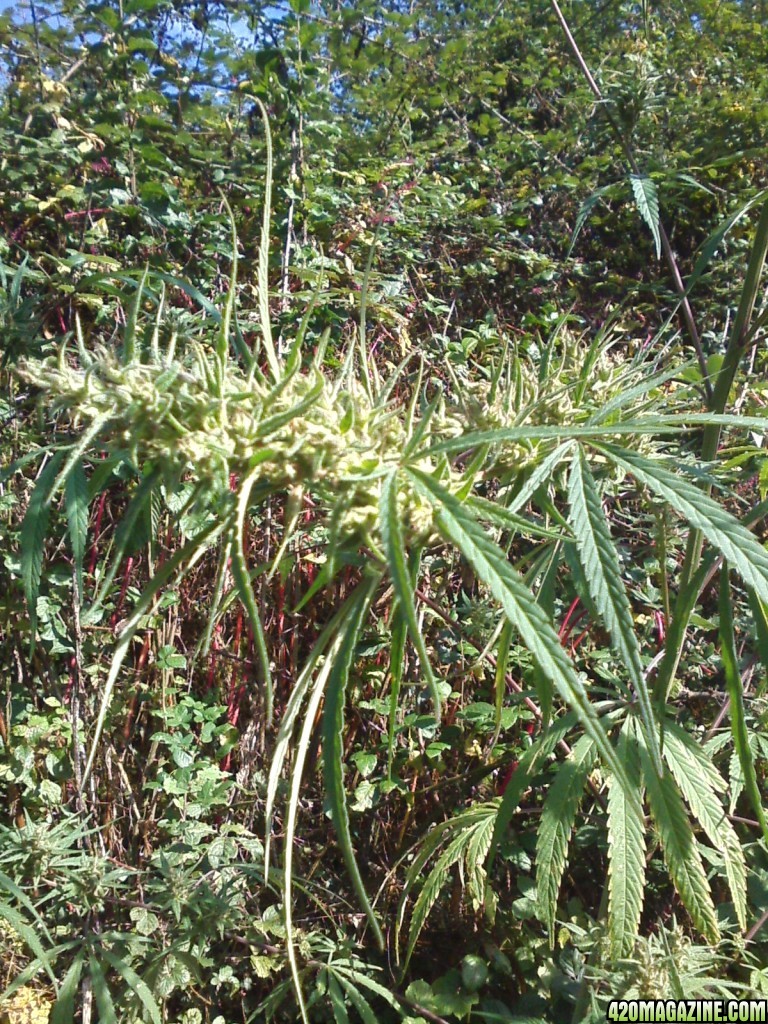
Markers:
510,474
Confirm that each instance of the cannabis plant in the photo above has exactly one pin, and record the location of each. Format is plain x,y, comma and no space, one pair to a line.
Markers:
392,472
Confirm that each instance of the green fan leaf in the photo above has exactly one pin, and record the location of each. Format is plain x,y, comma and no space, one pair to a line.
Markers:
136,984
360,980
541,474
693,773
586,208
181,561
336,999
101,993
347,624
76,505
29,935
523,775
520,606
244,587
397,656
681,854
314,663
63,1011
127,534
471,841
603,576
759,611
626,853
647,202
557,821
34,531
721,529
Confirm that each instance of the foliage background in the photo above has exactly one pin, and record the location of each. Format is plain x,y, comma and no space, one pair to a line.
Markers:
445,168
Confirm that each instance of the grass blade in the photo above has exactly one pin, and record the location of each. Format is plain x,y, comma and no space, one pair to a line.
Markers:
333,741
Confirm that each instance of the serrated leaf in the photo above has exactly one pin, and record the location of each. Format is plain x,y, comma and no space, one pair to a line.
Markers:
681,854
647,202
358,1000
347,625
189,554
336,999
522,776
721,529
29,935
759,611
645,425
76,505
519,604
557,820
736,771
124,542
265,320
684,757
301,749
586,209
136,984
603,577
365,981
302,687
396,659
101,993
34,531
467,825
626,854
540,475
63,1010
500,677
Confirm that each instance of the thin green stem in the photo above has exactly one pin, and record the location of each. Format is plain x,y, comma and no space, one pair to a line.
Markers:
691,579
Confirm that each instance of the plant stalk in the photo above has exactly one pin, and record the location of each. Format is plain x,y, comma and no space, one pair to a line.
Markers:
691,580
666,248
